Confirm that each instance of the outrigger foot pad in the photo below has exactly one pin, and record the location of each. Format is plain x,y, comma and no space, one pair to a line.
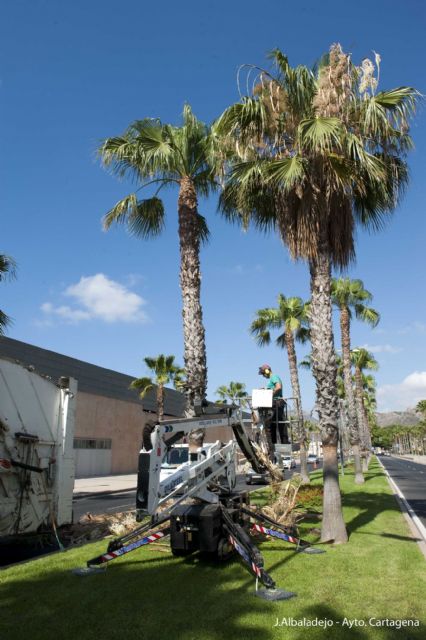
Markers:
87,571
310,550
274,594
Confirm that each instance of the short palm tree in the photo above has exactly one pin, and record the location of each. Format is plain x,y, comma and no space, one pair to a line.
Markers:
7,271
350,294
362,360
165,372
315,153
291,317
162,155
235,392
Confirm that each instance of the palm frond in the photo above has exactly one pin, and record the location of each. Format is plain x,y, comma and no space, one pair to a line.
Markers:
118,214
367,314
203,229
5,321
144,218
320,134
288,172
401,101
306,363
303,335
245,119
7,267
143,385
280,341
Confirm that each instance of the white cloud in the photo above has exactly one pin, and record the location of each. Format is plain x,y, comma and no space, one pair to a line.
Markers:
98,297
418,327
382,348
405,394
243,270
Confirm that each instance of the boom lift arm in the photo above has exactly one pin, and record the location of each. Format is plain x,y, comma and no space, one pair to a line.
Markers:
219,521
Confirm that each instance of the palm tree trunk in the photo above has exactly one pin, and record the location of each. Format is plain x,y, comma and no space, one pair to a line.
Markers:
325,373
353,426
363,428
295,387
367,434
160,402
190,283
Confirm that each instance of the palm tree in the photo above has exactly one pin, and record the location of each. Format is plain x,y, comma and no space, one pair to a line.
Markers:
291,316
369,405
349,294
165,371
7,271
315,152
421,407
235,391
362,360
163,155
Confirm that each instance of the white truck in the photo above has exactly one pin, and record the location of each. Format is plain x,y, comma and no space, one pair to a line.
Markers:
36,449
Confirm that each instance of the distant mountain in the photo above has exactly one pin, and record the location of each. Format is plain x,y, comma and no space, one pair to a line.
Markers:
406,418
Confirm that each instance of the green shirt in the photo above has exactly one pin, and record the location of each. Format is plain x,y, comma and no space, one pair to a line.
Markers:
271,384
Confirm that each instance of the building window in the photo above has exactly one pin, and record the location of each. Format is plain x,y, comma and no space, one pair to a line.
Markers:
92,443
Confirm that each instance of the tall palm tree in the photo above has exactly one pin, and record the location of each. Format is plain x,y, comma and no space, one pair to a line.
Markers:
235,391
315,152
291,316
349,294
362,360
163,155
7,271
166,372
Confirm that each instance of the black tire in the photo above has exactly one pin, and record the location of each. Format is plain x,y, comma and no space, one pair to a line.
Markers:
180,553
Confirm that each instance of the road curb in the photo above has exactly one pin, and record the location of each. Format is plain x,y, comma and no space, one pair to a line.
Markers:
407,510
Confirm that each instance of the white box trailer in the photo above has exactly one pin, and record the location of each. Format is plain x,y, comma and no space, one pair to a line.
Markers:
36,449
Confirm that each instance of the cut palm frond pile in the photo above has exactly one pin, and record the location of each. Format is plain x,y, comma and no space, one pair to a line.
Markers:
95,527
282,507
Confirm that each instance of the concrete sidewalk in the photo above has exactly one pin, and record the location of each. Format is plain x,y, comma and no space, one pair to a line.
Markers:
104,484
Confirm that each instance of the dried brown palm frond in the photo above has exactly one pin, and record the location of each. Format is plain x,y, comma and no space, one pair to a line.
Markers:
274,470
283,501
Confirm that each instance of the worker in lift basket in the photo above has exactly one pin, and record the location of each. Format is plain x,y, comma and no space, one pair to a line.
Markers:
275,418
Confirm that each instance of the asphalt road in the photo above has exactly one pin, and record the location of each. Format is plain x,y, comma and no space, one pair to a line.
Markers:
125,501
410,477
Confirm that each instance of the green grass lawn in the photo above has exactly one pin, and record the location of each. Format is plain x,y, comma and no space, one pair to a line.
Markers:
150,595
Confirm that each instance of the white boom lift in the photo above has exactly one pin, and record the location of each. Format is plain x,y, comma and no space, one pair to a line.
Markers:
201,511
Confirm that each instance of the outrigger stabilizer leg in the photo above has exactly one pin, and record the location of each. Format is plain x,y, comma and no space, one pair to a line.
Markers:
120,546
253,560
285,533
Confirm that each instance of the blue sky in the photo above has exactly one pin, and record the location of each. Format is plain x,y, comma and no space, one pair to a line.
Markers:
72,73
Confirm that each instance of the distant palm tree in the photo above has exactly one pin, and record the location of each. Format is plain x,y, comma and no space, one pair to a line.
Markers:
349,294
7,271
291,316
362,360
165,372
421,407
164,155
235,391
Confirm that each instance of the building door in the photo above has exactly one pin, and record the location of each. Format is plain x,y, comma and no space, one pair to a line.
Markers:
92,457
